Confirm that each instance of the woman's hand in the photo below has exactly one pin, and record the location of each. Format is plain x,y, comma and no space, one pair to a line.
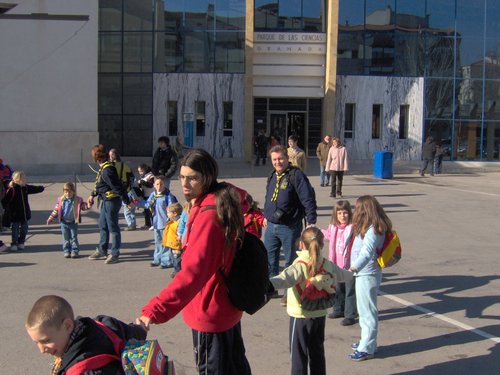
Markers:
144,322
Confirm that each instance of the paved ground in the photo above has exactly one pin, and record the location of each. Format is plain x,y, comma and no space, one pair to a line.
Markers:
439,308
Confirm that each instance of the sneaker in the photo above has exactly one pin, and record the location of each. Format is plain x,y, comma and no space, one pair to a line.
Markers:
335,315
151,228
322,185
130,228
67,255
360,356
347,322
283,301
111,259
332,195
144,227
153,264
97,255
74,255
21,246
13,247
355,346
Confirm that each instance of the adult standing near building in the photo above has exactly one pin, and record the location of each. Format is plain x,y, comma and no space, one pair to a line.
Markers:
289,199
164,160
428,154
214,227
322,154
109,189
296,156
261,145
337,164
126,176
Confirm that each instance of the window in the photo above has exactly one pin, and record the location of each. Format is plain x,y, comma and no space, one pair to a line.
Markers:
376,119
172,118
227,130
350,111
404,112
200,119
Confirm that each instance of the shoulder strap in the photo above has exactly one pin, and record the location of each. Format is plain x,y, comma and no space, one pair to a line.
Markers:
210,207
99,360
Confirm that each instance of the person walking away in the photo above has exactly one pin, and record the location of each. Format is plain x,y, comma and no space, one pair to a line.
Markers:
438,158
109,189
158,202
337,233
337,164
307,327
296,156
68,212
214,228
146,182
171,243
289,199
17,204
322,154
428,154
127,177
164,160
369,226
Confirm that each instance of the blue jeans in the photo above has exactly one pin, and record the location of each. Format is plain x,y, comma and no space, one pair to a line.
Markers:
70,237
277,236
177,258
108,225
19,232
367,287
162,255
129,213
324,176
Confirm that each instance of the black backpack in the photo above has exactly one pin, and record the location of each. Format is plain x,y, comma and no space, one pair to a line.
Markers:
247,282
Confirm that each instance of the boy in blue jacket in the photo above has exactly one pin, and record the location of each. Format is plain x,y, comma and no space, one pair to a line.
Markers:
157,203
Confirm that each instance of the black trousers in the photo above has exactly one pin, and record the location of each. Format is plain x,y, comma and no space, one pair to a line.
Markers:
307,337
345,299
337,175
220,353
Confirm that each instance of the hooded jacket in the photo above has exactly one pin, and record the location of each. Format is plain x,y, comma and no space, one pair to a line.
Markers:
16,198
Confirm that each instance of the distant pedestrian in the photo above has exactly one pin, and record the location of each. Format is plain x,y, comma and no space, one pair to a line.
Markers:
322,154
369,225
438,157
145,183
337,233
261,146
337,164
428,154
296,156
68,213
17,204
164,160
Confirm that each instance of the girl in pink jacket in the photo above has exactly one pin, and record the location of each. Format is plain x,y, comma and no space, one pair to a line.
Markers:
337,233
336,165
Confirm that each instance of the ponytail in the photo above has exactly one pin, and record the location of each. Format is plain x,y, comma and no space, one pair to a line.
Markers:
313,240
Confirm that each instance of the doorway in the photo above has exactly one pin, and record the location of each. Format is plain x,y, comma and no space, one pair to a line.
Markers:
284,124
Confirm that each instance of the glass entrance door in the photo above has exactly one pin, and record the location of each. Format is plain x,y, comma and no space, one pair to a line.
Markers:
284,124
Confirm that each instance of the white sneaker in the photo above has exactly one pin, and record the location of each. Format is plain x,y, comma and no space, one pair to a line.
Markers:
13,248
151,228
21,246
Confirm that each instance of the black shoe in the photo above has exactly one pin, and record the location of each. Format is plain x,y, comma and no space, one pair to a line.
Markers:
335,315
348,322
332,195
322,185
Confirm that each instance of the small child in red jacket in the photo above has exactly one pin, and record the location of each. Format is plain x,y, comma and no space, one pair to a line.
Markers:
67,211
253,218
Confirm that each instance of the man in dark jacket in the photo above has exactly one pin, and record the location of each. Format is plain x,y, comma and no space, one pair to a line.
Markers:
164,160
289,199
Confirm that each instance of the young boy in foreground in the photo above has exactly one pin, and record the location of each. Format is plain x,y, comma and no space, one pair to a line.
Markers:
52,326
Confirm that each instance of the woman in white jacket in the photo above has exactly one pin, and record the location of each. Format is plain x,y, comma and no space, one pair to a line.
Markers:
337,164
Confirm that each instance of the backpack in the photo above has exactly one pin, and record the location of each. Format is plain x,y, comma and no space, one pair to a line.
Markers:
247,281
138,357
390,253
319,292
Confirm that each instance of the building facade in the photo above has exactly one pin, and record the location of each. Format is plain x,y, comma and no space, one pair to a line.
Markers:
379,74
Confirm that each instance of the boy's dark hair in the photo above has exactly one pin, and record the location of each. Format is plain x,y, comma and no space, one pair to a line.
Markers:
146,168
164,139
49,311
294,138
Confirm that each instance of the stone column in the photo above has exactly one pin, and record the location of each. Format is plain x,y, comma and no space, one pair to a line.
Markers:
248,100
328,125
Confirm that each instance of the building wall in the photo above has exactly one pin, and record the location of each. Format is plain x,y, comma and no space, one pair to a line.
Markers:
214,90
48,87
391,92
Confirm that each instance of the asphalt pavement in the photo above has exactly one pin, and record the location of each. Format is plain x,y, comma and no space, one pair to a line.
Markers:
439,306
